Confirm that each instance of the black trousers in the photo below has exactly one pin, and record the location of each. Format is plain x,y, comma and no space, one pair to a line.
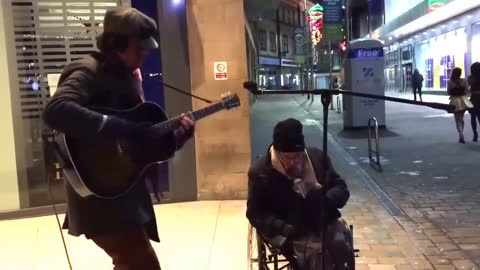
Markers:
415,91
129,250
474,117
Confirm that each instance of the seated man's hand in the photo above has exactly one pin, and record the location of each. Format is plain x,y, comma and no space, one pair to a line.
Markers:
317,197
288,231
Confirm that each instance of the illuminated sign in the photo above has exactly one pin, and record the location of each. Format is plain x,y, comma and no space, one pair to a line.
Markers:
343,44
365,53
435,4
316,37
315,18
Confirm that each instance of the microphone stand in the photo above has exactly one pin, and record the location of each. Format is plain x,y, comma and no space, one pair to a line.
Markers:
326,98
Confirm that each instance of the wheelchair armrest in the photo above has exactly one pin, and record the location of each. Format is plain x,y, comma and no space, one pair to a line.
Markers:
274,243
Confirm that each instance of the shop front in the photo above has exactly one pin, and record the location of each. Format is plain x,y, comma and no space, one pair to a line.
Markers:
475,42
272,75
437,56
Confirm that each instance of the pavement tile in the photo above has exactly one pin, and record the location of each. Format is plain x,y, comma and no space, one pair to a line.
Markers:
421,264
432,251
465,264
381,267
404,267
469,246
440,239
392,260
444,267
447,246
455,255
438,259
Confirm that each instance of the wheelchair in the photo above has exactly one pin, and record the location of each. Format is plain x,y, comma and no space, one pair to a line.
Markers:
262,255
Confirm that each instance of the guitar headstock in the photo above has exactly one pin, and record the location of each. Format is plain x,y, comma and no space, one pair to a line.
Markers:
230,101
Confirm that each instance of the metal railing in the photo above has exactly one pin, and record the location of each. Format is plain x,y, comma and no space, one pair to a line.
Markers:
376,163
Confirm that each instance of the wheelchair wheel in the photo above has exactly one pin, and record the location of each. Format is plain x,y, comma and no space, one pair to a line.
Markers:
256,252
261,256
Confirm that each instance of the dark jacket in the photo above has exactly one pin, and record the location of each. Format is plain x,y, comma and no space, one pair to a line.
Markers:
456,88
474,84
272,203
417,80
98,81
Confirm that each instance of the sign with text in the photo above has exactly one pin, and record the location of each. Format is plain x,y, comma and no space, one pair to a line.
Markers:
364,72
220,70
365,53
300,41
333,32
332,12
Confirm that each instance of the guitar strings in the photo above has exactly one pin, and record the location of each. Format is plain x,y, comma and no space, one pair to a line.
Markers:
177,118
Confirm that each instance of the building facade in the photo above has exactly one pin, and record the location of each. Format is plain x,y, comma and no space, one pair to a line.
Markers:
280,57
433,36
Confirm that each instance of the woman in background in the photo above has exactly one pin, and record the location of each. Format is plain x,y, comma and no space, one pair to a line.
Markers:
457,90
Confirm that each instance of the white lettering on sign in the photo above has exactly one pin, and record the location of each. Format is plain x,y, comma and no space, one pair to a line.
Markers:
367,53
220,71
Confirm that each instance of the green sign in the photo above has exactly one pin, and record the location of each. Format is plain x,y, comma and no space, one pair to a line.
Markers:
332,32
435,4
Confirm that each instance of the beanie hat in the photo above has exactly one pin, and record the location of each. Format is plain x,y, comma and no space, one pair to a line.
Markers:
288,136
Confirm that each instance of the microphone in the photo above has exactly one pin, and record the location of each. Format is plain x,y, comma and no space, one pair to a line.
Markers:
298,187
252,87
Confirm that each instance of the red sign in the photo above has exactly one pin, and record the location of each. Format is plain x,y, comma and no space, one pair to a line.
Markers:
220,70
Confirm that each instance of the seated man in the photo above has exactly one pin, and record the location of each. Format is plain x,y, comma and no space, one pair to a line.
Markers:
288,198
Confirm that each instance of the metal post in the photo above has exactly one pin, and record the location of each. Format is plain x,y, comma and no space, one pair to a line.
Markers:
279,49
330,64
377,144
347,13
326,99
307,49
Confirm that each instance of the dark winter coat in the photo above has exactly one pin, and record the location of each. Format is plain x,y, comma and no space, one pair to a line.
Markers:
272,202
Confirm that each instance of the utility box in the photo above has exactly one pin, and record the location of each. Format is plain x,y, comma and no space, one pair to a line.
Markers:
363,72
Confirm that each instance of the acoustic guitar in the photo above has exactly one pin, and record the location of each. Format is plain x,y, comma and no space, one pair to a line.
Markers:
109,169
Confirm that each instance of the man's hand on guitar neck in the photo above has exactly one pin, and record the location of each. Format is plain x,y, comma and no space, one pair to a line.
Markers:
185,131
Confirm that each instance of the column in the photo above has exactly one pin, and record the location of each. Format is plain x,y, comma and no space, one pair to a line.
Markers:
216,33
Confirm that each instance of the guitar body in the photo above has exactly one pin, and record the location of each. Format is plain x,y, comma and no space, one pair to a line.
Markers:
108,168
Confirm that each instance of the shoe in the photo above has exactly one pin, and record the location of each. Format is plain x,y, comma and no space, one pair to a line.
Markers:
475,137
461,140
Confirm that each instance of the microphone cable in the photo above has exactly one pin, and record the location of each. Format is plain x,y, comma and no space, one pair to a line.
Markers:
58,221
52,168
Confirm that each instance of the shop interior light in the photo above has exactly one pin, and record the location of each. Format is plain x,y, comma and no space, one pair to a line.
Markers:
449,10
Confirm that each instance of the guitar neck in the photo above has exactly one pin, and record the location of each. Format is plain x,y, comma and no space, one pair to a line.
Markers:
174,123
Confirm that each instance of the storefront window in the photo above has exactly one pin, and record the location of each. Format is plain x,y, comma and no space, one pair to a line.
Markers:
285,44
436,57
476,42
262,40
273,41
36,46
